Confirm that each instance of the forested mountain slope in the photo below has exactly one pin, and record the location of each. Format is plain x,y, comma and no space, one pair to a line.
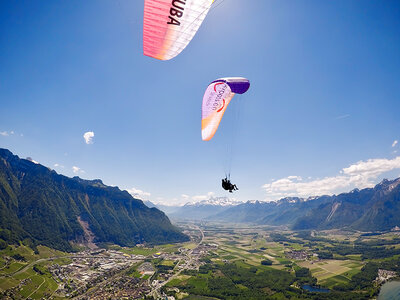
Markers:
38,204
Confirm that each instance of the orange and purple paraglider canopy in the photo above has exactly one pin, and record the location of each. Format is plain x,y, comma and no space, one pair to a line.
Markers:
215,101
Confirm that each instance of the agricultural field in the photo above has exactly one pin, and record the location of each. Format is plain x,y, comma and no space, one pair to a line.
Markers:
243,262
328,259
331,272
247,245
24,271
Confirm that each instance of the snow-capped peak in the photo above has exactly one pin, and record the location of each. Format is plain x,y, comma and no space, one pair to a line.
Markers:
253,202
216,201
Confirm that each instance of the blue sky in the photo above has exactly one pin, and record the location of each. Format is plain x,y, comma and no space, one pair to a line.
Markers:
321,115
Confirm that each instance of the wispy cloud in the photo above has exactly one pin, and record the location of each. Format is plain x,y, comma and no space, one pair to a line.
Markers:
360,175
139,194
58,166
77,170
88,136
342,117
7,133
395,143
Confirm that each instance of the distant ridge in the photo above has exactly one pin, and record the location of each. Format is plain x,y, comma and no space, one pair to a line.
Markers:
370,209
203,209
149,204
283,212
43,207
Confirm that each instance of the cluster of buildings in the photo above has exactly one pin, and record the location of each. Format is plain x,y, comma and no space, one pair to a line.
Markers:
111,274
297,254
146,268
88,268
384,275
187,260
100,274
203,249
125,287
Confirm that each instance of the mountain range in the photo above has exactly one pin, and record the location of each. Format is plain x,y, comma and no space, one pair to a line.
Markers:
368,209
198,210
39,206
42,207
203,209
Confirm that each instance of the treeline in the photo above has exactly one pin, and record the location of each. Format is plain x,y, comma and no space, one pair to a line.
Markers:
278,237
303,277
231,281
366,251
364,280
224,286
326,248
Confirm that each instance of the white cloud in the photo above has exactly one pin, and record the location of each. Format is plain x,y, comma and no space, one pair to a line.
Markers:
58,166
139,194
32,160
77,170
395,143
88,136
184,196
372,167
203,197
361,175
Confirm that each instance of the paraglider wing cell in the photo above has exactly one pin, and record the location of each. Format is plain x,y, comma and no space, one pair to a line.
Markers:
169,25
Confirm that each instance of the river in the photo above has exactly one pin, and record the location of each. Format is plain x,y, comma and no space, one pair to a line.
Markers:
390,291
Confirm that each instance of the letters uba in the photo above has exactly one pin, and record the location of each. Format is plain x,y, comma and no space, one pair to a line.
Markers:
176,12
